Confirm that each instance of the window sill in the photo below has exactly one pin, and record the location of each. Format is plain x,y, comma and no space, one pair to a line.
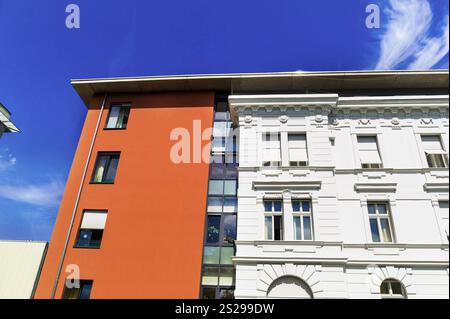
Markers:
101,183
89,248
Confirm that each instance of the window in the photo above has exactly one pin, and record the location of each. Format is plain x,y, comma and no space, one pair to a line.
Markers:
91,230
273,218
443,212
221,229
368,152
392,289
82,292
213,276
223,187
118,116
302,213
105,168
298,154
271,149
434,152
380,225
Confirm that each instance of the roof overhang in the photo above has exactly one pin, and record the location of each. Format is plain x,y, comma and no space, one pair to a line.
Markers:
5,120
316,82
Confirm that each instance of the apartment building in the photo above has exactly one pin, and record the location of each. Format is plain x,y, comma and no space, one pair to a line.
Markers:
6,126
277,185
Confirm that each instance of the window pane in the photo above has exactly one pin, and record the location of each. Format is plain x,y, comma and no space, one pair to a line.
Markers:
267,206
306,206
385,288
226,254
100,169
231,171
382,209
230,205
215,204
226,294
297,228
386,230
216,187
296,206
278,228
268,229
221,116
230,188
307,227
372,209
209,293
86,291
123,117
277,206
396,288
210,276
84,237
113,117
229,228
112,170
217,171
226,277
211,255
374,230
213,230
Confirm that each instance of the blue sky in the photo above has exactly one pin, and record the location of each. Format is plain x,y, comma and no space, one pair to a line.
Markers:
39,56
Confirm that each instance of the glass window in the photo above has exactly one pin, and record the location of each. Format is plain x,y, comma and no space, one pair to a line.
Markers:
118,116
210,276
278,227
302,219
105,169
230,187
211,255
208,293
213,231
226,255
89,238
368,152
229,228
83,291
215,204
391,288
380,224
226,277
226,293
268,228
216,187
230,205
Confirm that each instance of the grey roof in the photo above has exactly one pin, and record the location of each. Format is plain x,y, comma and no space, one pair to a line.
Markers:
266,82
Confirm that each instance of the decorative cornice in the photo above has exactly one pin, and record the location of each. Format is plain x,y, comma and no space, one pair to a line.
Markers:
436,187
376,187
290,185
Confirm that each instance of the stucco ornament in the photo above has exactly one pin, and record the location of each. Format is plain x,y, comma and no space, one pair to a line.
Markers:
284,119
248,119
319,118
395,121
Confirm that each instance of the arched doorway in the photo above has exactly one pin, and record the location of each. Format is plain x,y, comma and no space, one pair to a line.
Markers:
289,287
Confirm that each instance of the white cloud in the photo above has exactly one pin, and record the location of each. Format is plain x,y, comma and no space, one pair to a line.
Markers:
433,50
7,161
407,40
43,195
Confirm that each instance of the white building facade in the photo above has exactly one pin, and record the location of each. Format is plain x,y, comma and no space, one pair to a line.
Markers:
342,197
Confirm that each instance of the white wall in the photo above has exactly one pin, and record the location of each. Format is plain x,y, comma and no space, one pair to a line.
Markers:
342,261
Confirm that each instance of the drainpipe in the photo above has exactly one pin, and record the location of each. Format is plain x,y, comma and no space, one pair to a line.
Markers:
63,255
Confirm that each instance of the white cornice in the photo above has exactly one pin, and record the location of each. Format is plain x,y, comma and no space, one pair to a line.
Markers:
376,187
291,185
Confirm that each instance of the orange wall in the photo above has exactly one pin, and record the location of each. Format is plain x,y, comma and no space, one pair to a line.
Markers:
152,244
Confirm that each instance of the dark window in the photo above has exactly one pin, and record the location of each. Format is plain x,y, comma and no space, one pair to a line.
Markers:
437,160
208,293
81,292
105,168
229,229
89,238
118,116
213,232
278,227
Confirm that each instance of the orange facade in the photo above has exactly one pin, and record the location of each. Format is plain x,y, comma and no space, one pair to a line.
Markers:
153,239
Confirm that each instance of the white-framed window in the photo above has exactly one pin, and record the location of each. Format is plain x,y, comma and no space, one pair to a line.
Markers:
435,154
298,153
91,229
380,222
392,289
271,149
302,215
368,151
273,220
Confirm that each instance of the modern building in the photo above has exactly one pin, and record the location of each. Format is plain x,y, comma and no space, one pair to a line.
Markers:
276,185
6,126
20,266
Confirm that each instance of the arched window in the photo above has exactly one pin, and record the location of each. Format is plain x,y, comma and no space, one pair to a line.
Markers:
289,287
391,288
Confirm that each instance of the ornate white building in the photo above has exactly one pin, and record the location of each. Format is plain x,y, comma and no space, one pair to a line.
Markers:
342,197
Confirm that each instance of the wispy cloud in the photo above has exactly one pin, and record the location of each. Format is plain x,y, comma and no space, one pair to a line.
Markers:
7,160
407,37
42,195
